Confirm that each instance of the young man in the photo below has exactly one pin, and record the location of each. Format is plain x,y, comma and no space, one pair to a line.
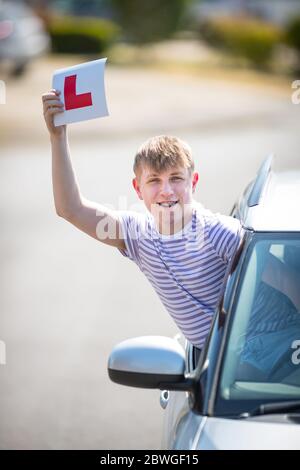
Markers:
182,248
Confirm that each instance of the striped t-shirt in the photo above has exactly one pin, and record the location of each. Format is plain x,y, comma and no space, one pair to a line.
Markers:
186,269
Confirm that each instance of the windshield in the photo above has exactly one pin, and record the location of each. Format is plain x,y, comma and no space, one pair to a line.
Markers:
262,357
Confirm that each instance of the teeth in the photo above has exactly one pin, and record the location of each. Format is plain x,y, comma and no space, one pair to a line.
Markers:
167,204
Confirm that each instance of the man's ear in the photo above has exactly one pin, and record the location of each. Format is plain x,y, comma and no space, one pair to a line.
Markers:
195,179
136,186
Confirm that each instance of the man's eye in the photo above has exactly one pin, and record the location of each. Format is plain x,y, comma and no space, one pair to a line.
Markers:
176,178
153,181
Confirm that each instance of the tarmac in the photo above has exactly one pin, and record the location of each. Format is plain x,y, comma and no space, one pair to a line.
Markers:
66,300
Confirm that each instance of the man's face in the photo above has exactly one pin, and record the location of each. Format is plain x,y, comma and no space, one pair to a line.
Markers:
167,195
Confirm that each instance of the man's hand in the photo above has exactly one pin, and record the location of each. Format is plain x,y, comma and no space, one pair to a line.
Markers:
52,105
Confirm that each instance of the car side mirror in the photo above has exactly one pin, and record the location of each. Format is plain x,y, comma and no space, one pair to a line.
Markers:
149,362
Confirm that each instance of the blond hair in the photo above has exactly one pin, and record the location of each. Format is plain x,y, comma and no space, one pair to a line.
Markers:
163,152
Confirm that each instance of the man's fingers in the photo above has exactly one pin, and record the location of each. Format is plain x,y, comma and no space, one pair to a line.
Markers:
53,103
50,95
52,111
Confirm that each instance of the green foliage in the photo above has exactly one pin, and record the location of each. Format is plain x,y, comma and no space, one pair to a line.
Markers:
293,33
243,37
82,35
151,20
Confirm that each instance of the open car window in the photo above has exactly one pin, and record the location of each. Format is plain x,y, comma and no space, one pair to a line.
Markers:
262,357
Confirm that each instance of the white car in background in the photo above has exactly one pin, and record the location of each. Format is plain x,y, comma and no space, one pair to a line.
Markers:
22,36
243,390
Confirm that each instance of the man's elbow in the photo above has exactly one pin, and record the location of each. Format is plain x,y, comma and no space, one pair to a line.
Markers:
63,214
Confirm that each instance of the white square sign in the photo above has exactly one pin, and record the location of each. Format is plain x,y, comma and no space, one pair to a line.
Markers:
82,92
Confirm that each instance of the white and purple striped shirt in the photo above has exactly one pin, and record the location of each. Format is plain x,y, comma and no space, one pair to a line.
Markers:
186,269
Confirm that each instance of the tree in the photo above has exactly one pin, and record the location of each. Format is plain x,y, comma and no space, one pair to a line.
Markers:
151,20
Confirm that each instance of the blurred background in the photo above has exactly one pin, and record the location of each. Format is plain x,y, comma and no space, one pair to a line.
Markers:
216,73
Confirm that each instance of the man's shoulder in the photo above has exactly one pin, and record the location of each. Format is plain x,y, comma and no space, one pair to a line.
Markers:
138,216
201,211
212,219
135,222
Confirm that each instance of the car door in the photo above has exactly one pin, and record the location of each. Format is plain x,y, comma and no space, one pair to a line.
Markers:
180,423
175,404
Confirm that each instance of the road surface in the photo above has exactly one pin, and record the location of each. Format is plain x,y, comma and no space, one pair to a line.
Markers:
66,300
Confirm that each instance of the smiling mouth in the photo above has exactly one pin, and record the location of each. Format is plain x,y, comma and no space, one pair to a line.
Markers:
167,204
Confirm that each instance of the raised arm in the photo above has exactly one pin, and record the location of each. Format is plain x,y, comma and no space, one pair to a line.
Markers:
90,217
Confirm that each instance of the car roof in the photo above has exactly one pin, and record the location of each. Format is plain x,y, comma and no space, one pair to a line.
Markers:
271,201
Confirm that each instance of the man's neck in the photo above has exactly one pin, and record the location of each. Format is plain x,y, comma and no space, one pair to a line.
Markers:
172,227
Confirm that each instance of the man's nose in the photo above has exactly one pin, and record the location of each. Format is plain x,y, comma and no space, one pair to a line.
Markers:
166,188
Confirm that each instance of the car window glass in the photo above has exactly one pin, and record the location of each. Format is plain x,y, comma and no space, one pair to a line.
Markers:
262,358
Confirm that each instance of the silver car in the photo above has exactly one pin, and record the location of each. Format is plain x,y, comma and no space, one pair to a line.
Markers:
242,391
22,36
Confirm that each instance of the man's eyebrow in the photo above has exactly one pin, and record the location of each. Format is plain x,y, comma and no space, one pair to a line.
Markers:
152,175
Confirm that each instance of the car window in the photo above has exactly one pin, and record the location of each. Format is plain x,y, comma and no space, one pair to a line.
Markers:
262,357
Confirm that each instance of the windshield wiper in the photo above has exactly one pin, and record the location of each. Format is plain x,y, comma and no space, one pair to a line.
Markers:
273,408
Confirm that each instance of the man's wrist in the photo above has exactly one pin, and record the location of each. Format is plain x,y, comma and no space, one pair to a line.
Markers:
54,138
